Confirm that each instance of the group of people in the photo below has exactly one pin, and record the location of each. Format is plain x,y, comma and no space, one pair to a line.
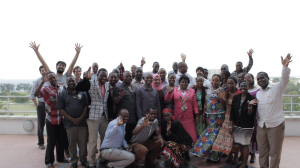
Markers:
145,114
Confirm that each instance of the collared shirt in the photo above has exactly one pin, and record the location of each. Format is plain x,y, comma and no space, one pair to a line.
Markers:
183,92
138,84
94,76
119,82
192,80
165,83
146,132
145,99
73,104
114,135
270,111
245,70
102,89
50,94
35,85
173,72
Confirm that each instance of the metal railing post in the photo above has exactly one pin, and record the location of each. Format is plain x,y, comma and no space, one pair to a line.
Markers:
292,105
8,113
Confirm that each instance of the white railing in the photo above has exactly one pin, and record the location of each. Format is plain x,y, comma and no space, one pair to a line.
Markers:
6,109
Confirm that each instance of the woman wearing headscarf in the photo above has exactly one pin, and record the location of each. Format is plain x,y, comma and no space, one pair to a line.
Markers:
157,85
185,106
243,111
178,141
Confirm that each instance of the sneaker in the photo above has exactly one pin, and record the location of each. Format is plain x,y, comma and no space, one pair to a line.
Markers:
50,165
85,164
73,165
41,146
67,154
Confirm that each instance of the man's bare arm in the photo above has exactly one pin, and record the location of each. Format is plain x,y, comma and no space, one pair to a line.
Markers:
36,50
77,48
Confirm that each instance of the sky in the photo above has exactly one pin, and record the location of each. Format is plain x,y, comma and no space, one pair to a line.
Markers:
210,33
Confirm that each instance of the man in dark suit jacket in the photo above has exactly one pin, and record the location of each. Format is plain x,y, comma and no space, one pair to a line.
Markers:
125,97
111,107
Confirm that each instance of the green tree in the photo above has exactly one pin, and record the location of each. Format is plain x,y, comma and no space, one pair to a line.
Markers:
275,80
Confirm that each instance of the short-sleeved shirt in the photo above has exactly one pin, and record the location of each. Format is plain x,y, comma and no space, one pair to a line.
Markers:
73,104
62,79
50,94
146,132
35,85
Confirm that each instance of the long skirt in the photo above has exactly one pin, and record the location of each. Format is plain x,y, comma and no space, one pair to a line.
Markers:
201,126
174,151
189,125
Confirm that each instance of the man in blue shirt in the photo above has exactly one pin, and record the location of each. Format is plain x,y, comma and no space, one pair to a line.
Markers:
111,148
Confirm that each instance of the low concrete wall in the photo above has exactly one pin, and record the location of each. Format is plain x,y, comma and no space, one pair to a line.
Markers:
14,125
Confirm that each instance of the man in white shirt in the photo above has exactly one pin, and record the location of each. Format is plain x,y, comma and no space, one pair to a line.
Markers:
200,73
270,121
95,70
182,67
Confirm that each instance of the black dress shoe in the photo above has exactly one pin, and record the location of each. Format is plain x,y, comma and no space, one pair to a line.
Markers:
64,161
85,164
74,165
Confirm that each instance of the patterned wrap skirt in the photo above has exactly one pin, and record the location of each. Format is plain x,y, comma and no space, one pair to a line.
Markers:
173,151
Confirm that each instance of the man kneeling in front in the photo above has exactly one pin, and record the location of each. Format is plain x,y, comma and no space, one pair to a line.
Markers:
111,148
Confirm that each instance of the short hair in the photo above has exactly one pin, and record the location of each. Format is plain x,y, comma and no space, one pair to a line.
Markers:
101,69
205,69
200,69
244,81
153,108
123,109
184,78
174,63
61,62
76,68
264,74
112,73
94,64
226,66
226,73
242,73
148,73
40,68
155,63
180,64
217,76
137,68
240,62
233,78
126,72
70,77
199,77
50,72
251,77
162,69
171,74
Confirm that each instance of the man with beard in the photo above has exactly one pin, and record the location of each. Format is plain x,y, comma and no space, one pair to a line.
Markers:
147,97
98,114
239,66
175,69
73,105
112,80
95,68
77,73
54,126
40,107
162,73
200,73
270,120
138,80
125,97
60,65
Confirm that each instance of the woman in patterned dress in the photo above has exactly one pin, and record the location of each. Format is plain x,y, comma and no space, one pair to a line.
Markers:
224,142
201,100
253,144
214,119
171,80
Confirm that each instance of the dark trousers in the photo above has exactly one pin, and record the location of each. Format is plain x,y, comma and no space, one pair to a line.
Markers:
55,137
41,115
129,128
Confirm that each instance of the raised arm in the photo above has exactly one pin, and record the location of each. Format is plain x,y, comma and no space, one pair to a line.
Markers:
77,48
36,50
285,74
38,90
250,64
170,95
85,84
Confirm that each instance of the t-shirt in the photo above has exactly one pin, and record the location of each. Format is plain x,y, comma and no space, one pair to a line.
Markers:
146,132
62,79
73,104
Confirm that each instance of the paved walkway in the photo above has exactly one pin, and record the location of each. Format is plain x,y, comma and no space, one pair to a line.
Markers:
22,151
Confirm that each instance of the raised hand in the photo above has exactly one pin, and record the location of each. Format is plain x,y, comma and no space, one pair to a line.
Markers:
287,60
183,57
121,65
34,47
171,90
78,47
143,62
45,79
221,94
146,120
122,93
120,121
88,74
251,51
253,102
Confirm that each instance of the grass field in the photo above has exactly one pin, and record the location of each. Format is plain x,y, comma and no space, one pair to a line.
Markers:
18,107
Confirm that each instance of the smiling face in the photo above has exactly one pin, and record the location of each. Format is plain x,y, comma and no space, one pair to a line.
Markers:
148,79
77,73
153,114
249,79
184,84
52,79
60,68
199,82
102,77
155,67
168,116
162,74
113,79
133,67
231,84
199,72
139,73
42,71
262,80
241,77
124,114
238,67
71,83
215,82
183,68
157,81
171,79
244,87
205,74
127,77
95,68
175,66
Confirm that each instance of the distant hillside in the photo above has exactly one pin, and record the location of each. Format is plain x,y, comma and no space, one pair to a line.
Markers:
16,81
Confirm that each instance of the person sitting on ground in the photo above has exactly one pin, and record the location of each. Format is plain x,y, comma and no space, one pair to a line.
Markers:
178,141
73,106
143,145
114,147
